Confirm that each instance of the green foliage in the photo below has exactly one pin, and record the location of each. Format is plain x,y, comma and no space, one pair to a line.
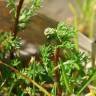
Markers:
10,45
69,64
7,42
62,35
27,12
74,77
12,5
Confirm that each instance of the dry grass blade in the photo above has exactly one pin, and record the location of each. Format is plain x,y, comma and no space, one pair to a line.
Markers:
29,79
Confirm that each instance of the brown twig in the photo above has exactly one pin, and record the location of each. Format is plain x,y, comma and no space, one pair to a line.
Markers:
48,86
15,27
56,58
57,75
17,17
25,76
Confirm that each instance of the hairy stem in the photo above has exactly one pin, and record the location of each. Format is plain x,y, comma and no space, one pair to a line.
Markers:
15,27
57,76
19,7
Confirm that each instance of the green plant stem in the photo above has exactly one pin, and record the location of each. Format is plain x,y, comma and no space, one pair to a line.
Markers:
55,84
75,23
91,26
34,78
65,79
12,85
78,3
86,84
29,79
